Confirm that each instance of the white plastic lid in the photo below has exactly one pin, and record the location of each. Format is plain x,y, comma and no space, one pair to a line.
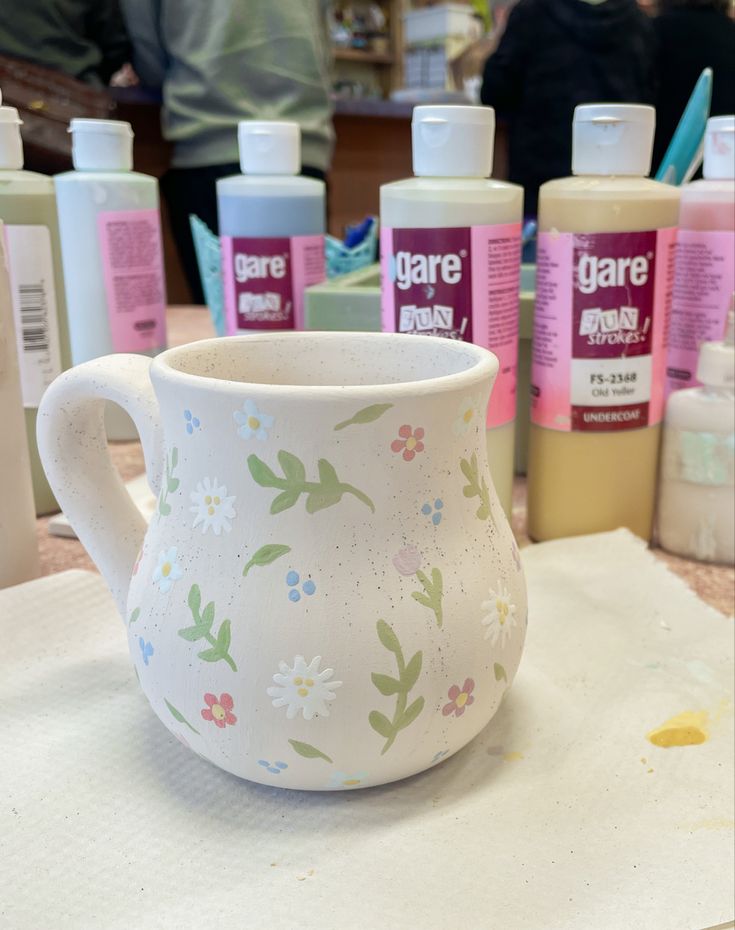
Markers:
11,144
716,366
269,147
453,141
719,149
101,145
613,139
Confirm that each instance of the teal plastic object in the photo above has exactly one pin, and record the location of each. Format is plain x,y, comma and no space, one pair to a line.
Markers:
342,259
684,154
207,248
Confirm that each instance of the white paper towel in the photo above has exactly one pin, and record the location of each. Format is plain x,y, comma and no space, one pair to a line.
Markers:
559,815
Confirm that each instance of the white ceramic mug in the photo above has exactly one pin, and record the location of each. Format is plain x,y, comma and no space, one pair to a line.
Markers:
329,595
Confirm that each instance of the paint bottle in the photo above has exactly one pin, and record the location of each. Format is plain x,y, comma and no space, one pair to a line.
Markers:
450,246
18,541
33,253
705,255
697,489
271,224
603,297
110,225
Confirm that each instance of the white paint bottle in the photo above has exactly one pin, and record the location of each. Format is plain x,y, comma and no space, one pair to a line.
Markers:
696,508
271,224
450,246
705,255
603,296
112,251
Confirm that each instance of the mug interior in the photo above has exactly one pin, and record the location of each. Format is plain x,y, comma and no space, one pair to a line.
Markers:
329,359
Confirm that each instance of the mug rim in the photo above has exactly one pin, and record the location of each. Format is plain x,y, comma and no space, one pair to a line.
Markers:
485,367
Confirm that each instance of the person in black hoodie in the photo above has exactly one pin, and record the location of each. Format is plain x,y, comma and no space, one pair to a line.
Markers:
553,55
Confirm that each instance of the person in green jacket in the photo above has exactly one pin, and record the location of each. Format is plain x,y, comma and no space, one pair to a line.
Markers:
220,62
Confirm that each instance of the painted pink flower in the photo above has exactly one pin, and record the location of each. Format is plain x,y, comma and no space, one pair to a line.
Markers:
409,443
219,710
459,698
407,561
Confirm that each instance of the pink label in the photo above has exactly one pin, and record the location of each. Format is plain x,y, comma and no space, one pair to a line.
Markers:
460,283
703,287
600,325
265,279
132,263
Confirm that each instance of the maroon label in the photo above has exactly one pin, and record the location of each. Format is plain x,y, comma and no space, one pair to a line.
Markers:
604,419
431,274
260,270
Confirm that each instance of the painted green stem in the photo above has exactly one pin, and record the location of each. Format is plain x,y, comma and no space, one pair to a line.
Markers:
169,484
434,589
408,673
203,620
476,487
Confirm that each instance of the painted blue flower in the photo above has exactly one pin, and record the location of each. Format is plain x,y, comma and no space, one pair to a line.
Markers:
192,422
292,580
146,649
252,422
275,768
435,511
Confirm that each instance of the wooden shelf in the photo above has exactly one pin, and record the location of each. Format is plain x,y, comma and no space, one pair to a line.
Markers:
365,56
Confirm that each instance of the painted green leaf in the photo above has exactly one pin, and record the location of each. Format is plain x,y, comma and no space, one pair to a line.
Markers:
320,500
174,457
421,598
173,484
468,491
412,672
134,615
387,637
327,474
293,467
308,751
500,674
466,469
366,415
223,637
208,616
380,723
483,512
177,715
261,473
386,685
193,633
164,509
195,599
411,713
265,555
283,501
212,654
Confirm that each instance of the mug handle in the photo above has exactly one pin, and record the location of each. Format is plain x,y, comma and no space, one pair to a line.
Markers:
73,448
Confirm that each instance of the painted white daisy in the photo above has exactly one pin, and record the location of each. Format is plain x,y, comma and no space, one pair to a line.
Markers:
212,507
500,614
167,571
468,415
252,422
303,688
346,779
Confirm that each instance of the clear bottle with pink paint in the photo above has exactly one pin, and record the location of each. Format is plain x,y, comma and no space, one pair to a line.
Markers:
705,256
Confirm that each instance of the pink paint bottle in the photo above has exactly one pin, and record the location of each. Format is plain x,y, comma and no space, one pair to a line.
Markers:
705,256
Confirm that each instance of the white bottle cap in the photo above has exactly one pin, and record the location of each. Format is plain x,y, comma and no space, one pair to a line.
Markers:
101,145
613,139
11,145
269,147
719,149
453,141
716,366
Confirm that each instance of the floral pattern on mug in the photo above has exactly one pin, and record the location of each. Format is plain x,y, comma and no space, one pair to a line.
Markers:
407,561
167,571
275,768
304,688
468,415
252,422
500,614
212,507
219,710
146,649
410,442
346,780
459,698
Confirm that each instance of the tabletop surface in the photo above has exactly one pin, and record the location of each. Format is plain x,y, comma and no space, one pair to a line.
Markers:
715,584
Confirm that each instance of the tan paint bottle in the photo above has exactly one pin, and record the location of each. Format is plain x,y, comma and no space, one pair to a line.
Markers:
603,299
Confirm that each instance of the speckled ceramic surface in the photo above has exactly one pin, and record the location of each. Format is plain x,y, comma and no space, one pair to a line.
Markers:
329,595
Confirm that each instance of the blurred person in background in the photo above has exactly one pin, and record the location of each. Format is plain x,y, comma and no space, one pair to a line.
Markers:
552,56
220,62
85,39
692,35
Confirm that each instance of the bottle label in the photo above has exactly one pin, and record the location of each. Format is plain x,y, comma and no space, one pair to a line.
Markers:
706,458
703,286
31,272
132,266
601,322
265,279
460,283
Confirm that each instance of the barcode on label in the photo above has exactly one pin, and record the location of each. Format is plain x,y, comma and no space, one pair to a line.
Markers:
34,325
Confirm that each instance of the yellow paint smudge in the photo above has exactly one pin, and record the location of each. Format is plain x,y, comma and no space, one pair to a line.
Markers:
512,756
686,729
